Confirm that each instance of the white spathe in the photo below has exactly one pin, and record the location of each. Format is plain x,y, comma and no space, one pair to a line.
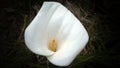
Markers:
55,21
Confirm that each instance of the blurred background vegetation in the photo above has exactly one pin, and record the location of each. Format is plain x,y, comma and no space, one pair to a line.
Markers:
100,18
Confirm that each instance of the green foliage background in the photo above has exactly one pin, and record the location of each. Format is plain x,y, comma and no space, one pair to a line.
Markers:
102,50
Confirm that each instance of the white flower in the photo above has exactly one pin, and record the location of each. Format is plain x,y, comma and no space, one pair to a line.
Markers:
56,33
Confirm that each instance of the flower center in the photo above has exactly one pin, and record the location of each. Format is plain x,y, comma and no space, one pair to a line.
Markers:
52,45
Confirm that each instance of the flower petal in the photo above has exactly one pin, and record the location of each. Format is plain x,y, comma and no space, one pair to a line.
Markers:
71,36
55,21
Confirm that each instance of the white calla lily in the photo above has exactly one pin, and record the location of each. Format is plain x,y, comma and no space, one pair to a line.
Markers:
56,33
